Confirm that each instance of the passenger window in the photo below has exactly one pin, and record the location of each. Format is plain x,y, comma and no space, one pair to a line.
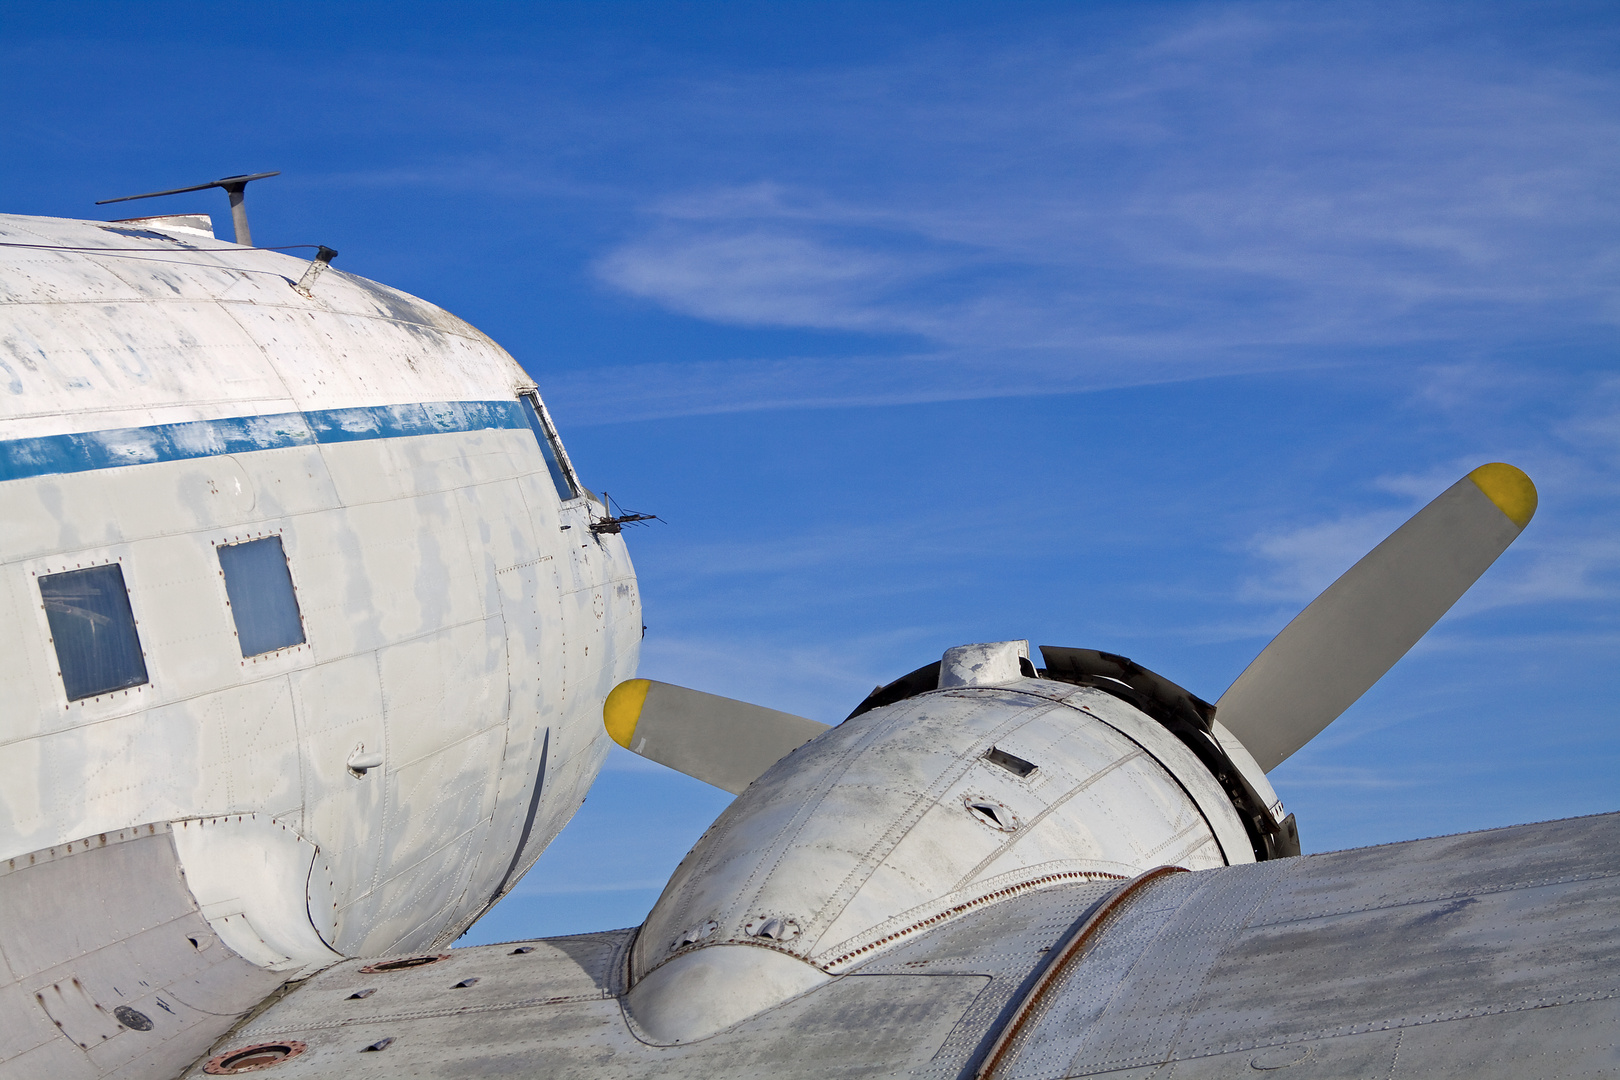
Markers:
261,594
93,630
562,473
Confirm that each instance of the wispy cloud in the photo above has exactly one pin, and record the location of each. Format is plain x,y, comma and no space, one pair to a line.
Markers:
1355,779
774,276
1579,561
631,392
1250,185
1585,569
821,679
1301,562
1593,426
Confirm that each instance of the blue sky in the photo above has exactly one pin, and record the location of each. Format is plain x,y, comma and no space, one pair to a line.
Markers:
1126,326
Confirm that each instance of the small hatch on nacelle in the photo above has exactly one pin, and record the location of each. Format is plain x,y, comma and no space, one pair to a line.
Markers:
1011,762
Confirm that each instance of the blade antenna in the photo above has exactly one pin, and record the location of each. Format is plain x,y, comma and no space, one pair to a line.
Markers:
235,187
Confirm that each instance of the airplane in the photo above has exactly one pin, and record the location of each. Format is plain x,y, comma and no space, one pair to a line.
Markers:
314,639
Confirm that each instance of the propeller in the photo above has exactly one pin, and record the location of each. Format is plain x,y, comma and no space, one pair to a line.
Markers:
718,740
1347,638
1326,658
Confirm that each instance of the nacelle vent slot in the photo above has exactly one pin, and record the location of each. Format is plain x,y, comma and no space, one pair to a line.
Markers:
403,964
992,813
1011,762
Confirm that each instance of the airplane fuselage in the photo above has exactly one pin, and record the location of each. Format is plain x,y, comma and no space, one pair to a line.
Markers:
367,616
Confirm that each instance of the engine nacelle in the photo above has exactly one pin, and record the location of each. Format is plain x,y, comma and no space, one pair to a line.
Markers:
910,814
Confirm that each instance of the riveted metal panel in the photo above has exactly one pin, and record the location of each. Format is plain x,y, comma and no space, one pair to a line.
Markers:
1010,942
1198,976
552,1012
867,835
1329,965
109,969
160,407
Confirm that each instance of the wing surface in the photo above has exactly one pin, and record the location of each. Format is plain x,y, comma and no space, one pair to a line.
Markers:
107,966
1479,955
1491,954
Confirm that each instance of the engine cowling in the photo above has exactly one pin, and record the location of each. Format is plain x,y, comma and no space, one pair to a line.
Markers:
910,814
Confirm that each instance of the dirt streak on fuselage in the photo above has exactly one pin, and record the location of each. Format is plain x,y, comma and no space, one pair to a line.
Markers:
163,396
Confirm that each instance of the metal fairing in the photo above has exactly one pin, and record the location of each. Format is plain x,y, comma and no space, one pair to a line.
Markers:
1425,959
111,968
868,835
1192,720
162,397
1271,832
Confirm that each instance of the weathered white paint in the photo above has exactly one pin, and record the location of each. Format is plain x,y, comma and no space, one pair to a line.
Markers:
701,992
1251,770
459,620
896,821
988,663
264,889
108,925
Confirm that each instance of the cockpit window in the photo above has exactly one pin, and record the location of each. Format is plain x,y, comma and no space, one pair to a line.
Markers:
93,630
260,590
562,473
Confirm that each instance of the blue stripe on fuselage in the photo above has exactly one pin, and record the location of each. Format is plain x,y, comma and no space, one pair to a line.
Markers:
88,450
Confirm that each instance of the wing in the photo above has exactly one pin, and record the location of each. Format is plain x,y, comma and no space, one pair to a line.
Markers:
101,941
1484,954
1481,955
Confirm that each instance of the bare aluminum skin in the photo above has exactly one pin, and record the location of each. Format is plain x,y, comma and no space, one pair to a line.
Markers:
1489,954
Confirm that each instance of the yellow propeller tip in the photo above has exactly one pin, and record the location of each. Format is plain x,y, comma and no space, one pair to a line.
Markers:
622,709
1509,488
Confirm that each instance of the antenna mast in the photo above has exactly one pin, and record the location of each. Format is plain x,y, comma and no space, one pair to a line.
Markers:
234,186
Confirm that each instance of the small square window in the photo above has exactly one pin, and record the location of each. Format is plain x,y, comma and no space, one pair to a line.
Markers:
262,598
94,630
562,474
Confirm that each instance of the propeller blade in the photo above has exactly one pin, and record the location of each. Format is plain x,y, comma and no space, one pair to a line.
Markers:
718,740
1341,644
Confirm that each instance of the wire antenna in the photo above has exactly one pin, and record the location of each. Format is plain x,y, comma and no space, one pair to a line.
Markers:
234,187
